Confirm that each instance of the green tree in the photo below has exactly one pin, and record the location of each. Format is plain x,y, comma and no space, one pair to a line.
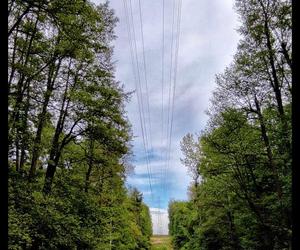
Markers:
243,157
69,138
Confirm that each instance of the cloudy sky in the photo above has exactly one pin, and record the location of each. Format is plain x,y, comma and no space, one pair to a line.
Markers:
207,42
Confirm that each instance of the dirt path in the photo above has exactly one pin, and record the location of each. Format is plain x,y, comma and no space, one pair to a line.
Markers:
161,242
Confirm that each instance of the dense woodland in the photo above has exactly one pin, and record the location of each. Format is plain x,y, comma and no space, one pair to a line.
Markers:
69,137
240,197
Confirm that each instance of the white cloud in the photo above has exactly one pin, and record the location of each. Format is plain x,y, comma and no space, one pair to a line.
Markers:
207,43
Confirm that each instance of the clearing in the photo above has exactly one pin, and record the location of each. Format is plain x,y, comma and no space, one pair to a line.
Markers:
161,242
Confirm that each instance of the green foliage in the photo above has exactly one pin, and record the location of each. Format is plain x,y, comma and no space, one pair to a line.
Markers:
69,138
243,156
181,217
141,218
70,218
236,205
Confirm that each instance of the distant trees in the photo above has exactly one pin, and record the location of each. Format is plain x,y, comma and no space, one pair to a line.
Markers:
69,138
244,155
142,225
180,217
192,153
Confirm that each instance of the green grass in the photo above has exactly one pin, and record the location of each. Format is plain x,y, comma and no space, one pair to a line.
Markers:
161,242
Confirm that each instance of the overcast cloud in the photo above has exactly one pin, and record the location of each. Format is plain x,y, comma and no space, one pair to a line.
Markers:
208,41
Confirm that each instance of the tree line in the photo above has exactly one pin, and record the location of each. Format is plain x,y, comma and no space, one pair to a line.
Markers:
240,196
69,136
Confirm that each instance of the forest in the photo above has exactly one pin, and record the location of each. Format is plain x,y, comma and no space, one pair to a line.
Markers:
69,137
240,164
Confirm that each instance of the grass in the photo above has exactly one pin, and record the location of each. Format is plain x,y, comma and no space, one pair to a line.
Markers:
161,242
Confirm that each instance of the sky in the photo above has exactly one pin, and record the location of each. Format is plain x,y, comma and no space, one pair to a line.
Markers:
207,43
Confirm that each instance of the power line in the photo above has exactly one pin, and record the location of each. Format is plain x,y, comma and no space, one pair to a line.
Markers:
137,84
171,63
162,109
162,86
145,135
145,71
144,132
170,85
175,80
169,116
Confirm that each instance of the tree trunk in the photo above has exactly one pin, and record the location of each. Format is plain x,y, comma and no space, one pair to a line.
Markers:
53,163
53,159
18,20
235,243
274,81
11,76
56,148
24,130
42,117
90,165
268,148
17,155
21,86
286,54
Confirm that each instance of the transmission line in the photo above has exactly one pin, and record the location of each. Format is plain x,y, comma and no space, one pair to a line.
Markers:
162,88
175,81
137,84
146,79
165,153
170,84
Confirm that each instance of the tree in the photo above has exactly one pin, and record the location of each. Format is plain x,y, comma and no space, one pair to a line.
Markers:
192,155
69,137
244,154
